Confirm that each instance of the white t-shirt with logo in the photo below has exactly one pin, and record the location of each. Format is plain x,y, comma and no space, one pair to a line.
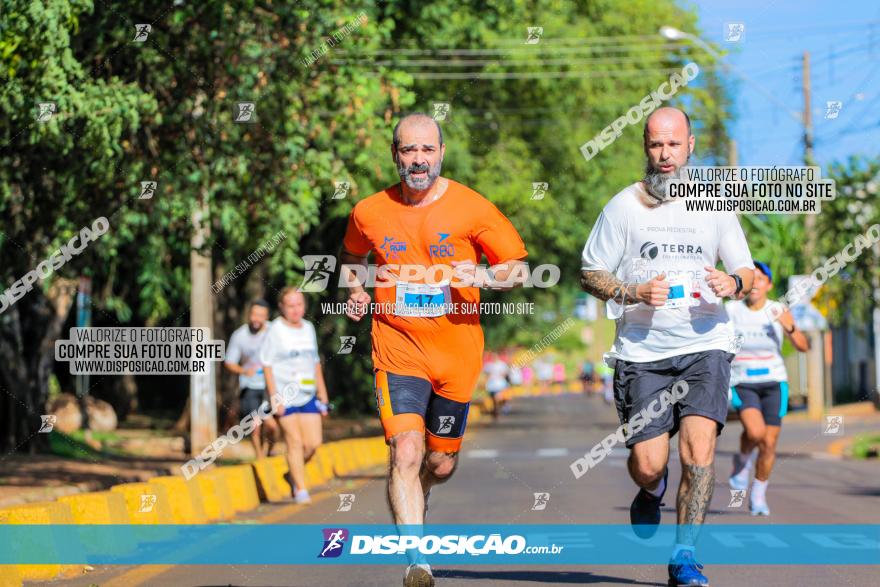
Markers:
637,243
497,372
292,353
244,350
760,358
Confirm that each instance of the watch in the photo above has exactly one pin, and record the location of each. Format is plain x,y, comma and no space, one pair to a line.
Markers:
739,283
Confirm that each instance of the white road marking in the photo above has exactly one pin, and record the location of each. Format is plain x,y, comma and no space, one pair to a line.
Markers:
552,452
482,454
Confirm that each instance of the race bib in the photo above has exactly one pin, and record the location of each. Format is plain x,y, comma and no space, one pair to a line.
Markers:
681,290
421,299
306,383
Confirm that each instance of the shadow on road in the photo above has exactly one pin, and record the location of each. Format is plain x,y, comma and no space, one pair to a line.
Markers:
556,577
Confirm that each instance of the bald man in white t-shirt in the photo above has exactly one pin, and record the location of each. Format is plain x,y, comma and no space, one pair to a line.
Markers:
654,263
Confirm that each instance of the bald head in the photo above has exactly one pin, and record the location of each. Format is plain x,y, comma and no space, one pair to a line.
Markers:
417,151
417,121
668,117
668,146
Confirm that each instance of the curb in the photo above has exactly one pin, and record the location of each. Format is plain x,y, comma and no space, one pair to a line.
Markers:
211,496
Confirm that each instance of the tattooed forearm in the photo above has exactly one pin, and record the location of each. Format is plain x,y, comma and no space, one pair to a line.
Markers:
605,286
694,495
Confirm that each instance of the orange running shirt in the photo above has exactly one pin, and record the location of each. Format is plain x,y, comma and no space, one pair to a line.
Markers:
460,226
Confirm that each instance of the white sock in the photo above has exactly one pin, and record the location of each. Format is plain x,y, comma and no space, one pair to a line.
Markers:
679,547
659,490
759,489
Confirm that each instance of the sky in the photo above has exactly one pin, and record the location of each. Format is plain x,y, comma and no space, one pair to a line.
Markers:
843,39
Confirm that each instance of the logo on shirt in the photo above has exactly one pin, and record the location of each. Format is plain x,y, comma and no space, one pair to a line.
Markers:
442,250
392,248
446,423
649,251
334,540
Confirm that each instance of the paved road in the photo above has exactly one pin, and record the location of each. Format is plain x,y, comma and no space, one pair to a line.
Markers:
530,451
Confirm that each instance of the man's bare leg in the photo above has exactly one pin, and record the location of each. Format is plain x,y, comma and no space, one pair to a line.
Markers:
270,427
647,461
753,429
767,453
437,468
255,438
405,496
696,446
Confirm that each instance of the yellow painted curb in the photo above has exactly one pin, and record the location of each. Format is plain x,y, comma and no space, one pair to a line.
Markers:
10,576
242,487
279,470
39,514
325,462
183,496
101,507
265,475
838,447
215,490
351,449
147,503
342,462
314,475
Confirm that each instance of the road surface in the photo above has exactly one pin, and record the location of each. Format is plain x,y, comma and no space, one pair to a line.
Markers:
529,451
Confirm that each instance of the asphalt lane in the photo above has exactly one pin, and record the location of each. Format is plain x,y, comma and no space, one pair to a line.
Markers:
529,451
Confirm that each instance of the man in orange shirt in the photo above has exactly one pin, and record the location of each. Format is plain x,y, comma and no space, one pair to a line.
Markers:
427,348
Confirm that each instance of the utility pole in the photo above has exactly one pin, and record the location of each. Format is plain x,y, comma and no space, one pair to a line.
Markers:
732,159
202,388
817,394
809,219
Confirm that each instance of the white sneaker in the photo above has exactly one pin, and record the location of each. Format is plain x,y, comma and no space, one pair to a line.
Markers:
739,479
302,496
418,576
759,507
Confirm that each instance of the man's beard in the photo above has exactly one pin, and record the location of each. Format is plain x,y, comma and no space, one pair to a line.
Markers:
254,330
419,184
657,183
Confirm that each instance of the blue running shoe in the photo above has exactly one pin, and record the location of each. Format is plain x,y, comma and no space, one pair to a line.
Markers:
685,571
644,512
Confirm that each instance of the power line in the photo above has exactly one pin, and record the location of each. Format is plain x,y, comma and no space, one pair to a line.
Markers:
480,75
484,62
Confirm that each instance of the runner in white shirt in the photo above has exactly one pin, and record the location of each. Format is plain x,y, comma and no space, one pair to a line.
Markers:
295,382
497,372
759,383
655,265
242,358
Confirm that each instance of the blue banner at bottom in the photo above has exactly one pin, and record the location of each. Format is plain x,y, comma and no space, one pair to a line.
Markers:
475,544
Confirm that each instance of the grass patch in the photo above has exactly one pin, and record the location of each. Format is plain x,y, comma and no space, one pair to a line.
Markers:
866,446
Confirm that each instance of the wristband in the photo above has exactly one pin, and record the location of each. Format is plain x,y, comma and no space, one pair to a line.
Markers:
739,283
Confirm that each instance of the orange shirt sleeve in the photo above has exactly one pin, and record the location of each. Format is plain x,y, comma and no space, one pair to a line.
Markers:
356,241
497,237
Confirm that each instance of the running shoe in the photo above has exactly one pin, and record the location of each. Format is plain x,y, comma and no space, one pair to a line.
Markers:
758,506
739,479
302,496
644,513
418,576
685,571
